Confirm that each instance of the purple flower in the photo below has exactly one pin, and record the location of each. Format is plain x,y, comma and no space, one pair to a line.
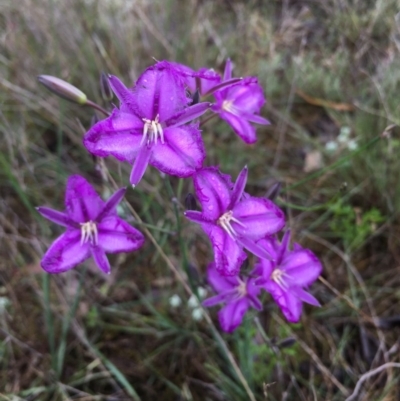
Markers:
150,127
93,228
285,276
238,105
239,294
233,220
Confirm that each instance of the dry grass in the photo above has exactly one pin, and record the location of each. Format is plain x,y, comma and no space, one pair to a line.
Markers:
327,67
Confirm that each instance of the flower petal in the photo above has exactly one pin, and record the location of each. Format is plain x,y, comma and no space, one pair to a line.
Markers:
254,248
260,217
188,114
247,96
111,204
241,126
227,70
213,190
101,259
65,253
140,164
302,267
195,216
289,303
123,94
118,135
81,201
115,235
305,296
160,90
219,282
182,153
57,217
238,189
228,254
231,315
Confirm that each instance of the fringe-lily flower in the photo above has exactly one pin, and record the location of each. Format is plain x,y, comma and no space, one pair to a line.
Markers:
239,104
238,294
285,276
150,127
93,229
233,220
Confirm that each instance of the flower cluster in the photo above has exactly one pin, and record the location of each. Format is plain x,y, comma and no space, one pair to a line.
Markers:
157,124
235,222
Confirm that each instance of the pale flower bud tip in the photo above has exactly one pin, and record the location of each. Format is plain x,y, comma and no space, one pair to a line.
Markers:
63,89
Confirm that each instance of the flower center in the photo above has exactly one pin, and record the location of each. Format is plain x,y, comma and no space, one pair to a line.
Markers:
241,289
227,105
225,222
279,277
89,233
152,129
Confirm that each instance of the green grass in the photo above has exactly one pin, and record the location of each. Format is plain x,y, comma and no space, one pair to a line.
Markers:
81,335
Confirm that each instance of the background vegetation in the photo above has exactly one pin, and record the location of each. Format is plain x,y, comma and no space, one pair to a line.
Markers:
331,73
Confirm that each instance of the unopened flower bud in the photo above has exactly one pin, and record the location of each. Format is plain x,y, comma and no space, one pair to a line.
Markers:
105,88
63,89
190,202
273,191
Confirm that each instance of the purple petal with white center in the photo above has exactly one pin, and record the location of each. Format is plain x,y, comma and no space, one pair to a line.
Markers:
57,217
227,70
213,190
101,259
304,296
241,127
188,114
118,135
115,235
182,152
140,164
65,252
259,217
302,267
81,201
231,315
228,254
238,189
111,204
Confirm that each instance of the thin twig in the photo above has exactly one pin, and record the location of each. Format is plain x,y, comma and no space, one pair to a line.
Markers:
369,374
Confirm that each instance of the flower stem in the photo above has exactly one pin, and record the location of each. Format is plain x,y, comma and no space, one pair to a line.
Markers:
97,107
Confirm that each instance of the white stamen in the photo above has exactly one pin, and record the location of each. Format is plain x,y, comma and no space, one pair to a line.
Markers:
152,129
227,105
89,233
225,222
279,277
